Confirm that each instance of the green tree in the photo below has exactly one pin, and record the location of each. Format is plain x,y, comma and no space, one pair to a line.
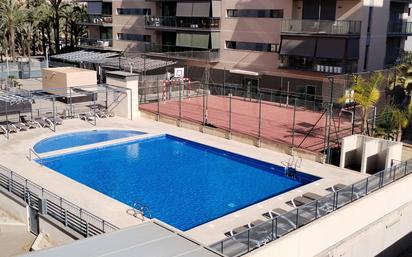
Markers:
11,18
365,94
392,121
400,86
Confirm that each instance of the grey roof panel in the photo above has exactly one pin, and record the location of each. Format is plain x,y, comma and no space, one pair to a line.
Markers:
150,239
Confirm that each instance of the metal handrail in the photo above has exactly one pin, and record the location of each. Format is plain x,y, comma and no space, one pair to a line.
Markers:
56,207
144,210
31,151
294,219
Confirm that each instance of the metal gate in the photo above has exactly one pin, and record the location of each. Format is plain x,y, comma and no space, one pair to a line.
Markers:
34,220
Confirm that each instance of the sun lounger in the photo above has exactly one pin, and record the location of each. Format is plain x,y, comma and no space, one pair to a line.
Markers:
29,123
44,123
57,120
311,196
236,231
3,130
11,128
20,126
298,201
89,116
335,188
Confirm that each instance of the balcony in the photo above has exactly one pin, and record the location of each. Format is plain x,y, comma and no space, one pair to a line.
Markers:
183,53
99,20
96,43
321,27
182,23
400,28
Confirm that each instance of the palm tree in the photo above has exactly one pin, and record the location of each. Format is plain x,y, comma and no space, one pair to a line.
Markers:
57,7
365,94
400,86
11,17
394,120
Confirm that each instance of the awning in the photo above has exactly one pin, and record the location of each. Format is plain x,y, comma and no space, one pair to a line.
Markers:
298,46
200,41
352,49
94,7
184,9
215,40
332,48
184,39
201,9
216,10
244,72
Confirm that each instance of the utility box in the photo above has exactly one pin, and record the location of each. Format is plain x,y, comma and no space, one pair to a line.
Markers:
59,80
368,154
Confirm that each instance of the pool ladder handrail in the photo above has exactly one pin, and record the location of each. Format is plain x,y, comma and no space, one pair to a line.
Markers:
141,209
30,158
291,166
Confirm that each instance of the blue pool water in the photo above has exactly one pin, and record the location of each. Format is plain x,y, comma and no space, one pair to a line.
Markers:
183,183
81,138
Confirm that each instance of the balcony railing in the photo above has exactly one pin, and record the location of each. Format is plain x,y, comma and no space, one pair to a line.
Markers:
321,27
278,226
99,19
96,43
400,28
189,23
177,52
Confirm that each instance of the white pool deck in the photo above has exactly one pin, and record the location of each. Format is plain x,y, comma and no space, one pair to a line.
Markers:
13,154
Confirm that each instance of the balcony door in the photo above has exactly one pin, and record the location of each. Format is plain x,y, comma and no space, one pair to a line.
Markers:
319,10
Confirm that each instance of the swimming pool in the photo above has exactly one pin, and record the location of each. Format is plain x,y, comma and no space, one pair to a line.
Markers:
183,183
81,138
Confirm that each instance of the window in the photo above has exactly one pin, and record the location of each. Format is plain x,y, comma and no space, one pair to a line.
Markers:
133,37
133,11
255,13
260,47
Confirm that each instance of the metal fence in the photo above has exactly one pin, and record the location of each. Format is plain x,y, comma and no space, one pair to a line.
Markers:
281,225
48,203
22,69
298,120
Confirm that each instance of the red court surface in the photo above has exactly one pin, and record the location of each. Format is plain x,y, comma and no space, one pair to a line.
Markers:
276,120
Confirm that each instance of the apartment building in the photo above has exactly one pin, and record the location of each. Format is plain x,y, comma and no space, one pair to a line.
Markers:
302,39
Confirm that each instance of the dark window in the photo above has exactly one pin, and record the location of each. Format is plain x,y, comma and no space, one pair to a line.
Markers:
255,13
133,11
133,37
260,47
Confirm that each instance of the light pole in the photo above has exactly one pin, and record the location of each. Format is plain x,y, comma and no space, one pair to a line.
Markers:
47,55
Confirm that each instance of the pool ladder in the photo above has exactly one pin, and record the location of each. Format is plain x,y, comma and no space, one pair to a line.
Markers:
143,210
291,166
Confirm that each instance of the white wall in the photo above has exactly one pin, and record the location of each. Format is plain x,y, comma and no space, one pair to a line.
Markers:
361,229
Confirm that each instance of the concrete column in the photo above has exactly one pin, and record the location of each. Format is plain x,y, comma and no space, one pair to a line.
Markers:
126,106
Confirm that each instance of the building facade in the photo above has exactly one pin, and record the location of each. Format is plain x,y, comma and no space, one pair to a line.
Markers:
306,39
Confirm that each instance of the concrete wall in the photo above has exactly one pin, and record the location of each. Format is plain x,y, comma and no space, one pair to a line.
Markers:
128,107
14,207
55,232
368,153
361,229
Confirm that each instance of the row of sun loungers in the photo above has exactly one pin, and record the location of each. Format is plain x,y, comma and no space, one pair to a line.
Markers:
95,114
26,124
261,231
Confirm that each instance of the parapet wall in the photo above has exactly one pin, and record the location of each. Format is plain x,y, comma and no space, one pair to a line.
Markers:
361,229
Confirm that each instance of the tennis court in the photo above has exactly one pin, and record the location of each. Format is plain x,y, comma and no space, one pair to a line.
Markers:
304,127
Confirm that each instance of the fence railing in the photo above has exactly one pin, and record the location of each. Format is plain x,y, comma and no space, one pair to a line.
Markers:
400,28
195,23
297,120
338,27
281,225
178,52
96,42
48,203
